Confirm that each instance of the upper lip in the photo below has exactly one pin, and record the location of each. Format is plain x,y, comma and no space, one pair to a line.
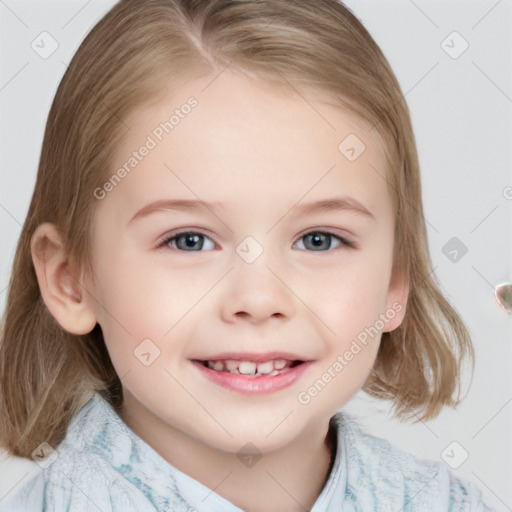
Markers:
253,357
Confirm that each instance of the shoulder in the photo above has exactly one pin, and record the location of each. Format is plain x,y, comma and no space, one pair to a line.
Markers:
78,477
382,476
77,481
30,497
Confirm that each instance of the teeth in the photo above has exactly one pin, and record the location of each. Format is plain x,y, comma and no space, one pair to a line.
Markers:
217,365
231,365
279,364
273,367
247,368
265,368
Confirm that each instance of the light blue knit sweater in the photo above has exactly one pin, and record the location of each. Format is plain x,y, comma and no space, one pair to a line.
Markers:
104,466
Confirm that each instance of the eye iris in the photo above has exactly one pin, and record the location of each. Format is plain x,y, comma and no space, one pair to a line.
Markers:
191,241
317,239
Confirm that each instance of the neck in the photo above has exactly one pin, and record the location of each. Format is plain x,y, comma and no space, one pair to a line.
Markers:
290,478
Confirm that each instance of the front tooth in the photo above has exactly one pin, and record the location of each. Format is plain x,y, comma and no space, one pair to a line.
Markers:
265,368
247,368
279,364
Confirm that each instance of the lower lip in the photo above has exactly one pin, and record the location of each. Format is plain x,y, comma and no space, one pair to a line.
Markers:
251,385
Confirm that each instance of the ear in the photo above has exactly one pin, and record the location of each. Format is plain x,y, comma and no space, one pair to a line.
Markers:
396,302
63,295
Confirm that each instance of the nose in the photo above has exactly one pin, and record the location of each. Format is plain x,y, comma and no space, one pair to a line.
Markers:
256,292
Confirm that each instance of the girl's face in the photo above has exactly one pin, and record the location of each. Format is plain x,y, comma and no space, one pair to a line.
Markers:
212,245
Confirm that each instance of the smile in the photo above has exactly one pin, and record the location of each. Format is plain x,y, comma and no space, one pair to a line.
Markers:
272,367
252,377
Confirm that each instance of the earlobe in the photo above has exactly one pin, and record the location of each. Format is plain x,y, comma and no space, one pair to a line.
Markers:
396,304
63,295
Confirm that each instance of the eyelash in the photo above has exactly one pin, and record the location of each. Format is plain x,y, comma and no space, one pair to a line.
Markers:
345,244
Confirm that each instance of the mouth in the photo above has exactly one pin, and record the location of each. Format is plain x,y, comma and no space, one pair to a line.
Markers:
253,373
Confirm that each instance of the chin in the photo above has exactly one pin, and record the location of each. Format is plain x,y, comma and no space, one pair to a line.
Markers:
268,431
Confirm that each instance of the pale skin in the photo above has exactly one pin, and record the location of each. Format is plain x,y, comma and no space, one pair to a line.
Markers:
261,153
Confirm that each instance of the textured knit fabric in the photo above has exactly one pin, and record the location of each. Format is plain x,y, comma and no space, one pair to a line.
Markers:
102,465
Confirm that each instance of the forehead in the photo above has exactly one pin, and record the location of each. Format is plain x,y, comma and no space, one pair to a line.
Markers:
228,138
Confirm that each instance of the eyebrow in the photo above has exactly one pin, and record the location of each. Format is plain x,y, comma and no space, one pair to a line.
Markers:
325,205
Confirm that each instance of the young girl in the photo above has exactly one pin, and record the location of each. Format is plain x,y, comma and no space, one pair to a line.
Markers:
225,243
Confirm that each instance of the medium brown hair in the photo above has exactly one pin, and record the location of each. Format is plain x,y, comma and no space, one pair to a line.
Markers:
126,62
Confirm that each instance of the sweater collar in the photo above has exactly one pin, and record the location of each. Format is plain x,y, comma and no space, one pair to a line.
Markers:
97,428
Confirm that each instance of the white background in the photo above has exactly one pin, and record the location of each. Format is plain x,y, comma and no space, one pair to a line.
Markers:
461,111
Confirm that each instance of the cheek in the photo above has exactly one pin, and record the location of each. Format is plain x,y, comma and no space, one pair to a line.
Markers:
349,314
144,300
130,310
352,297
